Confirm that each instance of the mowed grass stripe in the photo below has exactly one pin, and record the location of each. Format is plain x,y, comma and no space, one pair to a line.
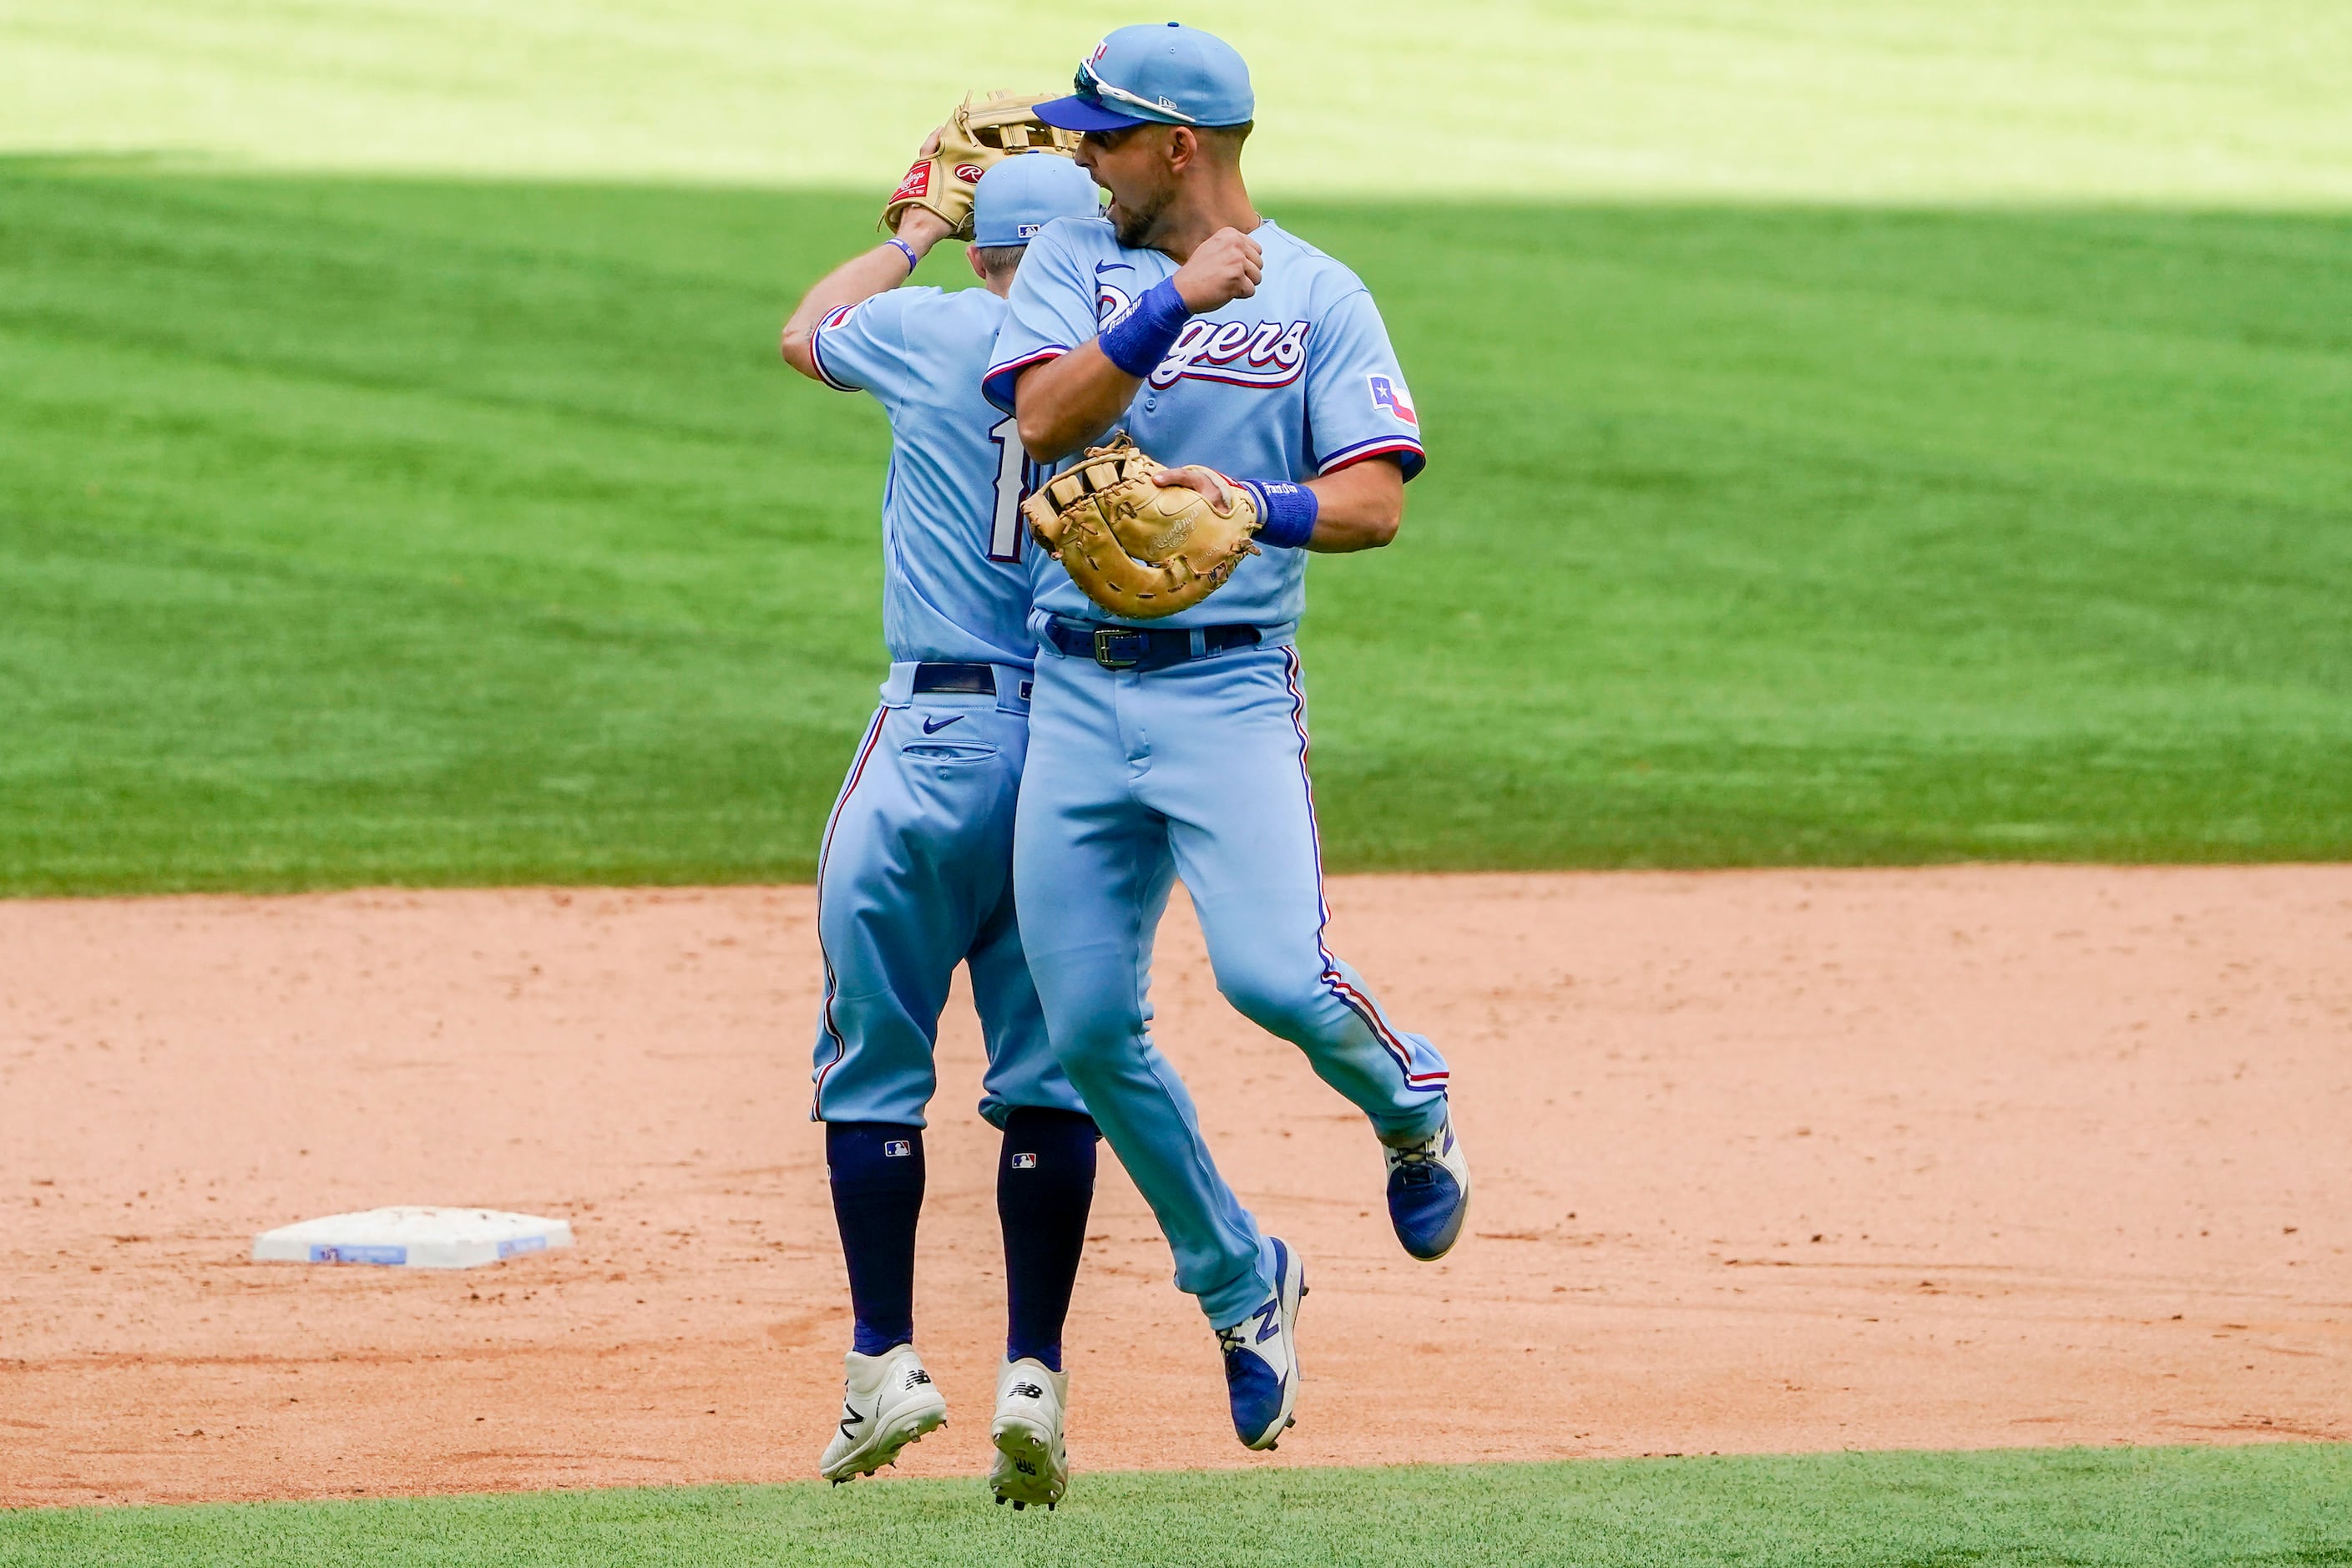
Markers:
2233,101
2145,1507
401,531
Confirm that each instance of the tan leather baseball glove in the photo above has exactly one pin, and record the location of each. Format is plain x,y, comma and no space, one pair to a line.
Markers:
1140,550
985,127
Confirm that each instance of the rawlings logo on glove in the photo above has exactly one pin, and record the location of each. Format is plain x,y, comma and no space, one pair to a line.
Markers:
917,184
1140,549
985,129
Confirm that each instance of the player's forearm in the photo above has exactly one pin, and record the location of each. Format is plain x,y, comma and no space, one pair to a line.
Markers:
863,276
1081,395
1069,401
1358,508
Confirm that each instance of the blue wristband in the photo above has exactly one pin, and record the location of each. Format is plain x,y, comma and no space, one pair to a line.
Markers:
908,251
1286,512
1142,337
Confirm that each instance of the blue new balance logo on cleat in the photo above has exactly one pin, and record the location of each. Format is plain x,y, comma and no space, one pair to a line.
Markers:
1270,1322
1262,1365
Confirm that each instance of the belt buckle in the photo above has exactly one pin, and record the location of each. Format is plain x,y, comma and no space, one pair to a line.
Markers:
1105,636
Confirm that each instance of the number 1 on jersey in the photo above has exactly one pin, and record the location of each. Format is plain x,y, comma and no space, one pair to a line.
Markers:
1013,483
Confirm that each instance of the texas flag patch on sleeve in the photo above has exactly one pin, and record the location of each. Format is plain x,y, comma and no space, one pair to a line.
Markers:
1390,395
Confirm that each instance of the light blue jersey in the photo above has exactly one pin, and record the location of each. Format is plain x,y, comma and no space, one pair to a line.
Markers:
1198,770
915,873
1297,380
959,571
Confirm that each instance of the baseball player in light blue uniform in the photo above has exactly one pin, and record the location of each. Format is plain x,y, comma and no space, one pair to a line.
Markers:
915,872
1178,747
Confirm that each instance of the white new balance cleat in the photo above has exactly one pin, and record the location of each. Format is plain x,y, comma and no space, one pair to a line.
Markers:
886,1403
1262,1358
1032,1464
1429,1193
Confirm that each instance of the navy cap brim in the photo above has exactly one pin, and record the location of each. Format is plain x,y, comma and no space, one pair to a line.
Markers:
1076,113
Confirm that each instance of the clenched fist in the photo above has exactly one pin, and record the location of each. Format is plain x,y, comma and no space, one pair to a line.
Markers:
1225,268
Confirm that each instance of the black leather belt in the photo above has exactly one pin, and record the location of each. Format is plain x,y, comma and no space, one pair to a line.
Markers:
1145,647
980,679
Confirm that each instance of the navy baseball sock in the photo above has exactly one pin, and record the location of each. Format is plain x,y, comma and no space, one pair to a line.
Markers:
877,1195
1045,1186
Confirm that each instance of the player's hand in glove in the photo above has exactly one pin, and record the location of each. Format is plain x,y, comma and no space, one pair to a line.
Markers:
984,129
1143,540
917,225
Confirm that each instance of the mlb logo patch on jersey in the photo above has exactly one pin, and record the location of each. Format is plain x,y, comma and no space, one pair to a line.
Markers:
1388,395
898,1148
1024,1161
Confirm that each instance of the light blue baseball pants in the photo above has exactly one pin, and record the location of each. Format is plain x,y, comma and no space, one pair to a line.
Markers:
1198,770
915,877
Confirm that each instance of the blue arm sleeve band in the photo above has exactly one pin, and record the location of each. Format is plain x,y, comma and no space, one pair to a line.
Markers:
1286,512
1142,337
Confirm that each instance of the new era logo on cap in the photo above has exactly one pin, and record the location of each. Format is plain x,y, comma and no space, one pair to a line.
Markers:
1172,74
898,1148
1389,394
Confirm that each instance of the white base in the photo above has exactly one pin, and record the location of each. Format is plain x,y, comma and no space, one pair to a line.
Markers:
412,1238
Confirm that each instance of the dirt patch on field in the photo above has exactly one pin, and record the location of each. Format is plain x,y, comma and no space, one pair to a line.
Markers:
1766,1160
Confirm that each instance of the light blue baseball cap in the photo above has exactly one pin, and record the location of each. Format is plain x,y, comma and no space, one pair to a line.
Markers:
1024,192
1171,75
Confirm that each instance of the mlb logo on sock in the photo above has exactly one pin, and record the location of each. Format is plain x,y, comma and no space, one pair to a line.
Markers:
1387,393
1024,1161
898,1148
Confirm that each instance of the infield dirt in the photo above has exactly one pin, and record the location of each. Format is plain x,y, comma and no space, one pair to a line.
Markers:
1766,1160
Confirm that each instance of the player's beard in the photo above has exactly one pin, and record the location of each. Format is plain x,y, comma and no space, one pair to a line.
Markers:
1136,218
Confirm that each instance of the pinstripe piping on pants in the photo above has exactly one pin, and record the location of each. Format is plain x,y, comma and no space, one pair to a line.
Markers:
824,853
1337,984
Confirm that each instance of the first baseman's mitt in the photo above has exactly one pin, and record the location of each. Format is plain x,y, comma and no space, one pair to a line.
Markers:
1140,550
984,128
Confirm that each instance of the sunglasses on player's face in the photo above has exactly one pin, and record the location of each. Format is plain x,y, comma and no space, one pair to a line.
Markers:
1094,90
1111,140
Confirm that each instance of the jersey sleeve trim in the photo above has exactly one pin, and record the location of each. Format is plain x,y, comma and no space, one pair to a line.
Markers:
1403,448
816,349
997,384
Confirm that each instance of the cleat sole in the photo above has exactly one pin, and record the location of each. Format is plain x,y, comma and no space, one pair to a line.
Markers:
889,1444
1026,1471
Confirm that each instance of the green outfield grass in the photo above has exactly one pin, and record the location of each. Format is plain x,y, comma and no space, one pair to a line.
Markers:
2144,1508
2234,102
377,532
